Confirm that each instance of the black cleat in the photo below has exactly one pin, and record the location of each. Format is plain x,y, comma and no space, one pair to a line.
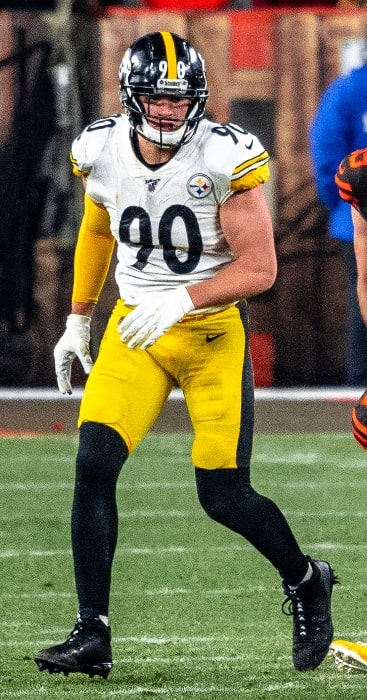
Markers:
87,650
310,605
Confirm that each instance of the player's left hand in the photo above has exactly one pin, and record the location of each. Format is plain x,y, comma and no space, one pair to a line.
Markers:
359,421
153,317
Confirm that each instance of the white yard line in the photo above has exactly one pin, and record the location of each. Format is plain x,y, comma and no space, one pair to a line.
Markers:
174,550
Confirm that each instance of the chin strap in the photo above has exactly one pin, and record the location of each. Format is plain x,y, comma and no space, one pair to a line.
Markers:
163,139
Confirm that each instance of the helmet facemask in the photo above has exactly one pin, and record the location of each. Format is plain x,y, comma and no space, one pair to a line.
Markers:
156,133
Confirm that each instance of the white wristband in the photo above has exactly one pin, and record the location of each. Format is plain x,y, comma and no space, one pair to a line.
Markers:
75,320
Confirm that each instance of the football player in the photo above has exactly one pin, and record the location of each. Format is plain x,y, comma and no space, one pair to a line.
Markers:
351,179
182,198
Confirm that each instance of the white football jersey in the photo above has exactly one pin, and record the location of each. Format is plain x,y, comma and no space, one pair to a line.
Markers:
166,219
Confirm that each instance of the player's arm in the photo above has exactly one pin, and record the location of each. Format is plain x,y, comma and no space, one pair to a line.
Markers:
360,249
92,258
95,242
247,227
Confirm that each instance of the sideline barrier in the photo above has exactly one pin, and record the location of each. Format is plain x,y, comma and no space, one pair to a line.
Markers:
288,410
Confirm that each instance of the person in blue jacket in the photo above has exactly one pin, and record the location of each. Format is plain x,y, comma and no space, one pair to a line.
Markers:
339,127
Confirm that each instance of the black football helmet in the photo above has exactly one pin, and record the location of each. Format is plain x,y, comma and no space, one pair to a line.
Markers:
163,64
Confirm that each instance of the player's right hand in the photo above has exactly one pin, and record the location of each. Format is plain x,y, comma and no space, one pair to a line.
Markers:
74,343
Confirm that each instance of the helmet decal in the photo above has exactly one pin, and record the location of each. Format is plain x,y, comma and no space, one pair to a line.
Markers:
171,55
173,70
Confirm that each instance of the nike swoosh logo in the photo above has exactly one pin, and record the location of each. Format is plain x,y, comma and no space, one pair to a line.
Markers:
248,146
210,338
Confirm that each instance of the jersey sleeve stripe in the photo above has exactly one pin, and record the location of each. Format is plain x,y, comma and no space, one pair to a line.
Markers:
76,170
251,164
251,179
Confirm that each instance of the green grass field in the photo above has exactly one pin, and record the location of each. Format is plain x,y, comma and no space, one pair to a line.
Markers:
195,612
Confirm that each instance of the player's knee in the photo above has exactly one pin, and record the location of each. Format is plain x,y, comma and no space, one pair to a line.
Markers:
216,509
101,453
227,496
214,489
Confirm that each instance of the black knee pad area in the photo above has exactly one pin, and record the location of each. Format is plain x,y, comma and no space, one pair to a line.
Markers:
216,489
101,453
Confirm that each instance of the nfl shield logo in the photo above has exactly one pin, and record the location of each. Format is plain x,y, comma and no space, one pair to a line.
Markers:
151,184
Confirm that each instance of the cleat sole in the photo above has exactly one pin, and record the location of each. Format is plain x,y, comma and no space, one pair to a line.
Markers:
102,669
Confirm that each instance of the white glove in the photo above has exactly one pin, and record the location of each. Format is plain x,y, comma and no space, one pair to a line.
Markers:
74,343
153,317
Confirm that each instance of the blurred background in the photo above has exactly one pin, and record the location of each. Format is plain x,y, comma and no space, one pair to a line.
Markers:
267,65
